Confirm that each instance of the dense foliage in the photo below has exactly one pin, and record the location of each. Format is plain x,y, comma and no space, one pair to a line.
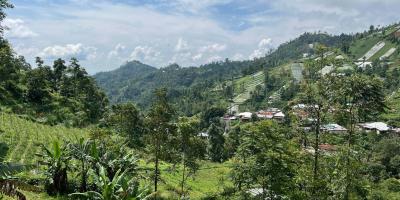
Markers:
169,134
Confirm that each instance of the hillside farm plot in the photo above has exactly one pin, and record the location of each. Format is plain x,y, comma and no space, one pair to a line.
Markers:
297,71
378,46
24,138
360,47
244,86
388,53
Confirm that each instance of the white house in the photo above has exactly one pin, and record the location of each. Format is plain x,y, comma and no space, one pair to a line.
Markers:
333,128
379,127
245,115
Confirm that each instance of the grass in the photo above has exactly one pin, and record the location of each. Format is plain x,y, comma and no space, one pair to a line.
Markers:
297,71
37,196
209,179
388,45
393,114
24,138
362,46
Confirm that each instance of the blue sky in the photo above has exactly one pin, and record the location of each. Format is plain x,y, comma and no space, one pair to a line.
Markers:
104,34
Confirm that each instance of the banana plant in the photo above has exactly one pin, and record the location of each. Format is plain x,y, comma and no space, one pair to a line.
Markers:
56,159
121,187
81,152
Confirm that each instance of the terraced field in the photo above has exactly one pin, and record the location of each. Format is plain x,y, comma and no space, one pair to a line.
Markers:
360,47
297,71
377,47
24,137
246,85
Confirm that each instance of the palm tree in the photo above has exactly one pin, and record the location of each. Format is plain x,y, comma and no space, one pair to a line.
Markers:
121,187
56,160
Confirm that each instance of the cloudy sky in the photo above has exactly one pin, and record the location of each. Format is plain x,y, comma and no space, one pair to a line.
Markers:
103,34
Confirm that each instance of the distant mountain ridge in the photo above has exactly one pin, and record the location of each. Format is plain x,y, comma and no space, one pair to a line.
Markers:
190,86
120,77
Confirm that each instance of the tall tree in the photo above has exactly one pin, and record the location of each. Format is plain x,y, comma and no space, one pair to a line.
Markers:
265,161
216,143
161,132
4,4
191,149
359,98
59,68
126,119
316,96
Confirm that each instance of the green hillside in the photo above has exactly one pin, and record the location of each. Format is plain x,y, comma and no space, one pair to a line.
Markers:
23,138
167,132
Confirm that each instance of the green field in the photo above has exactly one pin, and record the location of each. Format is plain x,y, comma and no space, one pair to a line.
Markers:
209,179
24,138
360,47
297,71
245,85
388,45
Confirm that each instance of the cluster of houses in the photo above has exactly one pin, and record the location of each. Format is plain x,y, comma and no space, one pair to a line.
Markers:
378,127
302,112
270,113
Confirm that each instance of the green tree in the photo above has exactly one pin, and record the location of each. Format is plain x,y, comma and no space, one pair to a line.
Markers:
161,132
358,98
216,143
210,115
316,92
191,149
126,119
38,85
4,4
265,160
59,68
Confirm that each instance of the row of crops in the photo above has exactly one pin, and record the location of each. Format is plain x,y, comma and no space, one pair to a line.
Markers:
24,138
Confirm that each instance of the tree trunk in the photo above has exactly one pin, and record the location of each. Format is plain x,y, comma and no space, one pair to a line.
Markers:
348,162
84,173
183,179
316,154
156,173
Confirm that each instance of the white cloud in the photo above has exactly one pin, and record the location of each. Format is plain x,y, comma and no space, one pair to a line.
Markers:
182,45
77,50
263,47
117,51
26,50
195,6
205,27
144,54
16,28
212,48
214,59
238,57
265,43
197,57
183,57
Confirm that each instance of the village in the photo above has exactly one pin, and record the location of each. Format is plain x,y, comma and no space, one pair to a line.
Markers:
302,113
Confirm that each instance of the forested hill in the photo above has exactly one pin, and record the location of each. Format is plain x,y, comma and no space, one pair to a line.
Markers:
112,81
135,81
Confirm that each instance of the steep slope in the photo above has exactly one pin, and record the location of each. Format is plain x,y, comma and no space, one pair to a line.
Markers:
22,139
